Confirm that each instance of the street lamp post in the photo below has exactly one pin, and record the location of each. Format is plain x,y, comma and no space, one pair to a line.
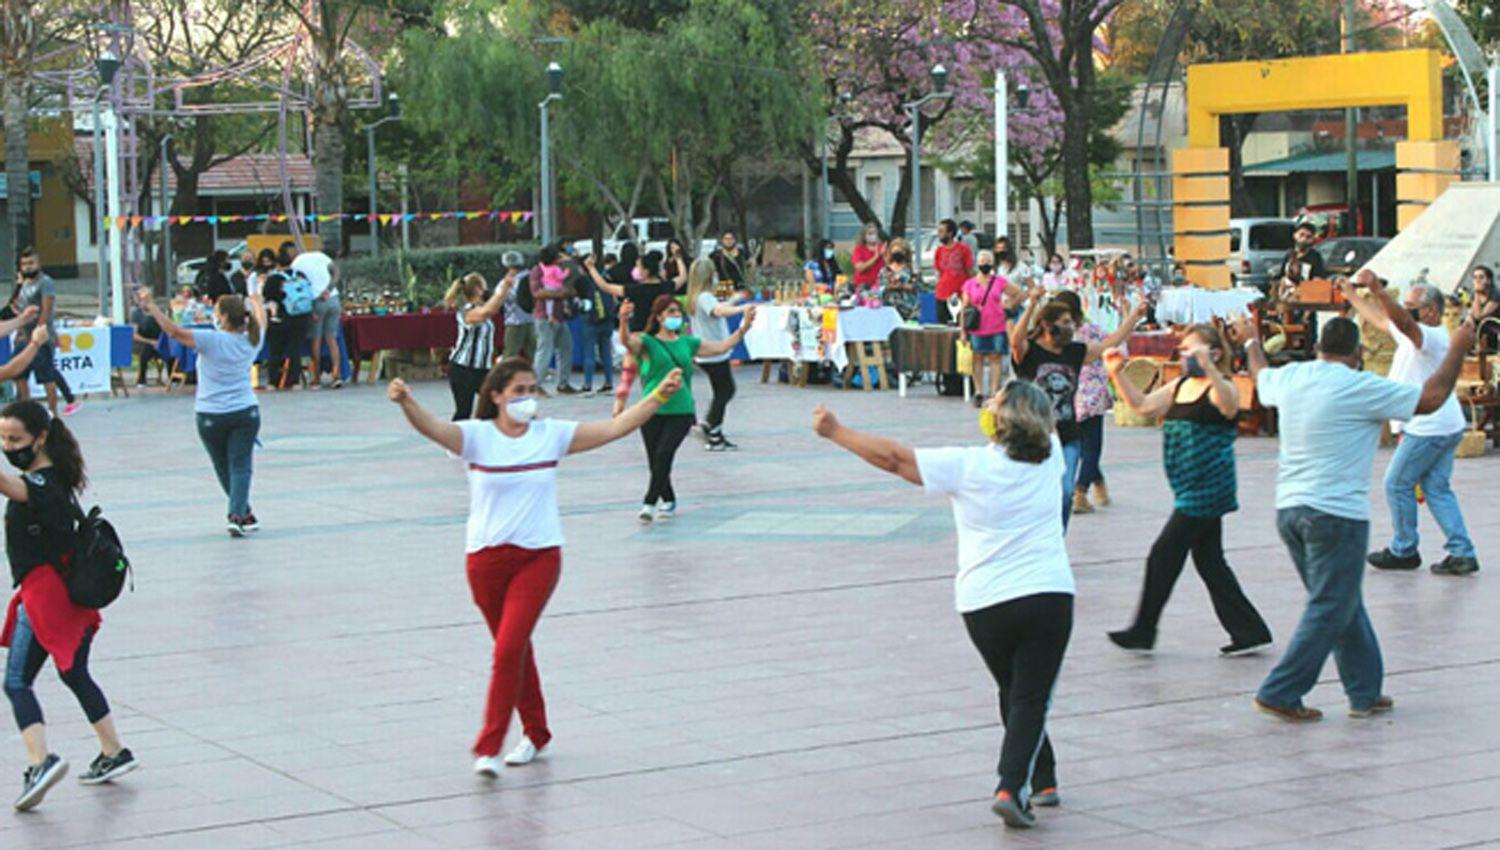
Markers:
107,65
554,92
166,216
827,196
1494,76
393,113
1002,149
939,92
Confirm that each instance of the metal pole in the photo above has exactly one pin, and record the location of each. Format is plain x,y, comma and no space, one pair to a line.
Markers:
1002,157
374,190
825,198
546,177
101,264
405,229
1351,129
112,191
166,211
1494,75
1374,203
916,188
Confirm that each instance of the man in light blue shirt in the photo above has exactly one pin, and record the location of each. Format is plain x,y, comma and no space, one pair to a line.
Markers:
1329,417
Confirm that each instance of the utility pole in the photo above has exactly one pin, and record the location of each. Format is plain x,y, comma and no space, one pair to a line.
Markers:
1351,130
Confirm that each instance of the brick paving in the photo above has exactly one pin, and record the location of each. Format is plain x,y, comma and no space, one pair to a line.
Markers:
780,667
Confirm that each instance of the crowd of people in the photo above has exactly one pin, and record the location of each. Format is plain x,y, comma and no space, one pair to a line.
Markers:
1049,376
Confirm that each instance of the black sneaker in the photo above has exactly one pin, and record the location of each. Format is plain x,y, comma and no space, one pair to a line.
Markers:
606,389
104,768
39,779
1009,810
235,526
1456,566
249,524
1385,559
1244,647
566,389
1131,641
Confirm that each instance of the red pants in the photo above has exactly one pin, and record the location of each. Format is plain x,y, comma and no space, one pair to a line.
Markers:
511,586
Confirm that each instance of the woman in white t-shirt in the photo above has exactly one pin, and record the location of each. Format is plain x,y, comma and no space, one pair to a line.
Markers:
514,536
710,324
1014,586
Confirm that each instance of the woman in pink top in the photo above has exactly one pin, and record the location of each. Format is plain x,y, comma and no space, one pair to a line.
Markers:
986,292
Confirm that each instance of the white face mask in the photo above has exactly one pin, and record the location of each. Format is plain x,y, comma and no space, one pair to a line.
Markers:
522,409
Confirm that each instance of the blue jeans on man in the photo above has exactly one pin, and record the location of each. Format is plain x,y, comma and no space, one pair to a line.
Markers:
597,348
1427,461
1072,452
1329,553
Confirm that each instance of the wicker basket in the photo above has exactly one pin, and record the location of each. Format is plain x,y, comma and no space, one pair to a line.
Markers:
1473,444
1144,373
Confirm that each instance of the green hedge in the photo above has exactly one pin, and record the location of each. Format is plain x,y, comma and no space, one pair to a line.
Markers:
423,275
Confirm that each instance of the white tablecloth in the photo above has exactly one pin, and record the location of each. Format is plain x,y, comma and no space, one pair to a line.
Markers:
1186,305
794,333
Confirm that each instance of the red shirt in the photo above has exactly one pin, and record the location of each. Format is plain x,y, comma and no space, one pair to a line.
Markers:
862,253
954,264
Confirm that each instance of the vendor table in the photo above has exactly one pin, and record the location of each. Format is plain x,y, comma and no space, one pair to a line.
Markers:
1153,344
928,348
373,335
794,334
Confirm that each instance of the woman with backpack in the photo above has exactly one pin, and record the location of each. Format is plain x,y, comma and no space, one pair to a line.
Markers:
228,413
514,537
42,619
474,351
661,348
285,333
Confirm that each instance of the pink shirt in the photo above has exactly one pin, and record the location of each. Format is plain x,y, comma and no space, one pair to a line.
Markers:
991,307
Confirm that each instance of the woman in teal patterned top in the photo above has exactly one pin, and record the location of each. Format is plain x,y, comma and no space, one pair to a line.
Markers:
1198,432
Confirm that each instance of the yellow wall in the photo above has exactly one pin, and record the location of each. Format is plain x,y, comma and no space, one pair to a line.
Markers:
52,214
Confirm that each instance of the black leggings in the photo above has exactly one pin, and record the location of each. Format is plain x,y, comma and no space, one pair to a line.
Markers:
284,341
464,382
1204,538
663,434
25,662
1022,642
721,376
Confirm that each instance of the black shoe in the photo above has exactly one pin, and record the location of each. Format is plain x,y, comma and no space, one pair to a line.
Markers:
39,779
1130,640
1244,647
606,389
1456,566
1010,811
566,389
1385,559
105,768
235,525
249,524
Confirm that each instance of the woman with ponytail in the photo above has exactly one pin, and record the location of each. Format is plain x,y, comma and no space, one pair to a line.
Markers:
42,620
474,352
228,414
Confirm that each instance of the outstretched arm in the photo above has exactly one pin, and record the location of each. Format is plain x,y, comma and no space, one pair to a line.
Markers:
1365,308
163,321
1397,315
881,453
1154,405
1019,339
440,431
1249,336
9,326
18,362
1122,333
714,349
592,435
614,289
631,341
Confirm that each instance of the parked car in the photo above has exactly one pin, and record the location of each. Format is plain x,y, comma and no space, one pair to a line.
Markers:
187,271
651,233
1256,248
1346,255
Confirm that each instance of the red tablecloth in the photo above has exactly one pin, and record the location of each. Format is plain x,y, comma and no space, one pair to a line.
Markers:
1153,344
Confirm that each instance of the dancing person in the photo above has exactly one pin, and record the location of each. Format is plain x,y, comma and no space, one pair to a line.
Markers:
323,323
601,312
474,351
710,323
514,534
1424,455
35,288
1329,416
868,257
42,620
821,268
662,349
985,292
641,295
954,263
1199,410
227,412
1091,404
1014,586
1055,361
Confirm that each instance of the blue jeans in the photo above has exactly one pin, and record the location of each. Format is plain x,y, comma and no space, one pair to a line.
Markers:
1091,436
1329,553
596,337
1427,461
230,441
1071,454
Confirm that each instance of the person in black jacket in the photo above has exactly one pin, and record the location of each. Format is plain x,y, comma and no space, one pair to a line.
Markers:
285,335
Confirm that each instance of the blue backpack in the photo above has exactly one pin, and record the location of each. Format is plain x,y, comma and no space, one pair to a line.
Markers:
297,295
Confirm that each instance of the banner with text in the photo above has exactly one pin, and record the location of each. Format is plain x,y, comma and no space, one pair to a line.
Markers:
82,359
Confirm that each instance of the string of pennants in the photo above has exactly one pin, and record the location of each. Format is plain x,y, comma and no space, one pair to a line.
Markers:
123,222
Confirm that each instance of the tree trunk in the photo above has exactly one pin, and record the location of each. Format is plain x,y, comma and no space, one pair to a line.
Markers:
1235,129
17,169
899,208
1078,192
1048,222
328,181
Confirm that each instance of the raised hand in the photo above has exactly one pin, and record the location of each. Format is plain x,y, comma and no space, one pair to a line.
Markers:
1244,329
1114,360
824,422
30,312
749,317
39,336
1201,354
1036,293
398,391
627,309
671,383
143,296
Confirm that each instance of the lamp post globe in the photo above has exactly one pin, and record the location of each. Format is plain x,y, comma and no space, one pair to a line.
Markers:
107,65
939,78
554,78
393,105
1023,95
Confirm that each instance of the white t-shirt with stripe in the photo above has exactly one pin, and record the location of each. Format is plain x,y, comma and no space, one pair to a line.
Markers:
513,483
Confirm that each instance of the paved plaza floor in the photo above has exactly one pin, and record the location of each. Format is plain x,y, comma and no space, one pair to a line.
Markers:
779,667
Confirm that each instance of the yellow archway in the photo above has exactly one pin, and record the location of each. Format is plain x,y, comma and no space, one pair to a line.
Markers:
1200,172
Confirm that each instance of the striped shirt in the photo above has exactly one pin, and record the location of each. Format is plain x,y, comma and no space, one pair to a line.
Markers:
475,348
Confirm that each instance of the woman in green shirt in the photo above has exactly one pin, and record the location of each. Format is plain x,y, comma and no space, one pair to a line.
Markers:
660,348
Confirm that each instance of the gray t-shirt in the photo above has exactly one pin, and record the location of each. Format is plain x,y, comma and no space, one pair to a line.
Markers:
224,360
708,327
514,315
31,295
1329,419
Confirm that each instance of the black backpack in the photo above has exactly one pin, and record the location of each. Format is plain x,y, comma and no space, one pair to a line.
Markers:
99,568
524,299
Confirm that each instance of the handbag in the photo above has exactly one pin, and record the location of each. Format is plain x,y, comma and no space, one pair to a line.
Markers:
971,316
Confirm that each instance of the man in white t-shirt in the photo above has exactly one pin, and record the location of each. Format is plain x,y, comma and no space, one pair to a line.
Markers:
1329,413
323,327
1425,455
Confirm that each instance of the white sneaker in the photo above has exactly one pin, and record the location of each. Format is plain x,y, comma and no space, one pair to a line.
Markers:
647,514
665,510
524,753
487,766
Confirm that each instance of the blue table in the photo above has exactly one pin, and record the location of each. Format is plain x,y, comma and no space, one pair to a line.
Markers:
121,349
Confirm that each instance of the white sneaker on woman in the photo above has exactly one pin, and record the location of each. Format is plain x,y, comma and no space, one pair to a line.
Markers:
487,766
647,514
665,510
524,753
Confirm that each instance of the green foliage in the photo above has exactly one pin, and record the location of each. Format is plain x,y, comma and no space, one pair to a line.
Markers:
424,275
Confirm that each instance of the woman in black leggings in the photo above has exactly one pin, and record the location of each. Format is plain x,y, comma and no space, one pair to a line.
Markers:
42,620
662,347
709,323
1014,586
473,352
